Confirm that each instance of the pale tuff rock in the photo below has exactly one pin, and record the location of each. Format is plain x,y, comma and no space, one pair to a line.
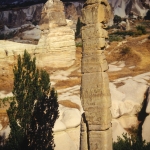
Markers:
95,94
127,102
56,47
57,38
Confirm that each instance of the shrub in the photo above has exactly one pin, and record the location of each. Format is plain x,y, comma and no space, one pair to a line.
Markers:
117,19
125,50
147,17
141,29
130,143
115,38
79,44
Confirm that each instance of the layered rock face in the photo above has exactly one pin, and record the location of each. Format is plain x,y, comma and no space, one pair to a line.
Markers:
56,47
95,94
57,38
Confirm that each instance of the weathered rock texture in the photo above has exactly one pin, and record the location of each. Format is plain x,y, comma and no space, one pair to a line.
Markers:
96,131
73,11
56,47
57,38
19,16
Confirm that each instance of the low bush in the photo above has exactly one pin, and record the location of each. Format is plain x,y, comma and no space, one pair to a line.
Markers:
120,35
115,38
79,44
130,143
125,50
141,29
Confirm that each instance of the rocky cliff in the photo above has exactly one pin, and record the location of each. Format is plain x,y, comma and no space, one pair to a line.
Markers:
124,8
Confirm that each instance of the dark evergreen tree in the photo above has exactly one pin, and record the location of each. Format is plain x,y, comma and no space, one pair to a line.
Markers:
31,103
117,19
78,27
43,118
147,17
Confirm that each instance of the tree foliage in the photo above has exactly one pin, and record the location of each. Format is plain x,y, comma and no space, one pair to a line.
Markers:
117,19
34,109
78,27
147,17
141,29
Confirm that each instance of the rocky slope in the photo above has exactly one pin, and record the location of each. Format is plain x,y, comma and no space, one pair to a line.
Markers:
124,8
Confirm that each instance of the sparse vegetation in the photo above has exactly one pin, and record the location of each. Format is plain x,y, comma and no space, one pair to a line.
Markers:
125,50
5,101
147,17
78,28
117,19
120,35
115,38
141,29
78,44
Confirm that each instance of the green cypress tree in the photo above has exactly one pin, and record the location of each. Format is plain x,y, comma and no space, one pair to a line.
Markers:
78,27
44,116
30,104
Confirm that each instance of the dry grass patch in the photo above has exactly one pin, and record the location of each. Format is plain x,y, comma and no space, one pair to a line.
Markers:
67,83
68,103
4,121
119,84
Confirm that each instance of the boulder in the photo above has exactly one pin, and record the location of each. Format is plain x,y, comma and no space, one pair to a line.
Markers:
71,117
33,34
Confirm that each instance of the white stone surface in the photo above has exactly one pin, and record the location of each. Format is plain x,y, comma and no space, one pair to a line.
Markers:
133,90
71,117
59,126
117,130
63,141
146,129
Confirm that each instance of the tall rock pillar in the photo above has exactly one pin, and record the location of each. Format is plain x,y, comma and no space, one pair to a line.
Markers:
96,131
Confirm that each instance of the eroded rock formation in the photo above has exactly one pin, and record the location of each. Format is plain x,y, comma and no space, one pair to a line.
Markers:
96,131
56,47
57,38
